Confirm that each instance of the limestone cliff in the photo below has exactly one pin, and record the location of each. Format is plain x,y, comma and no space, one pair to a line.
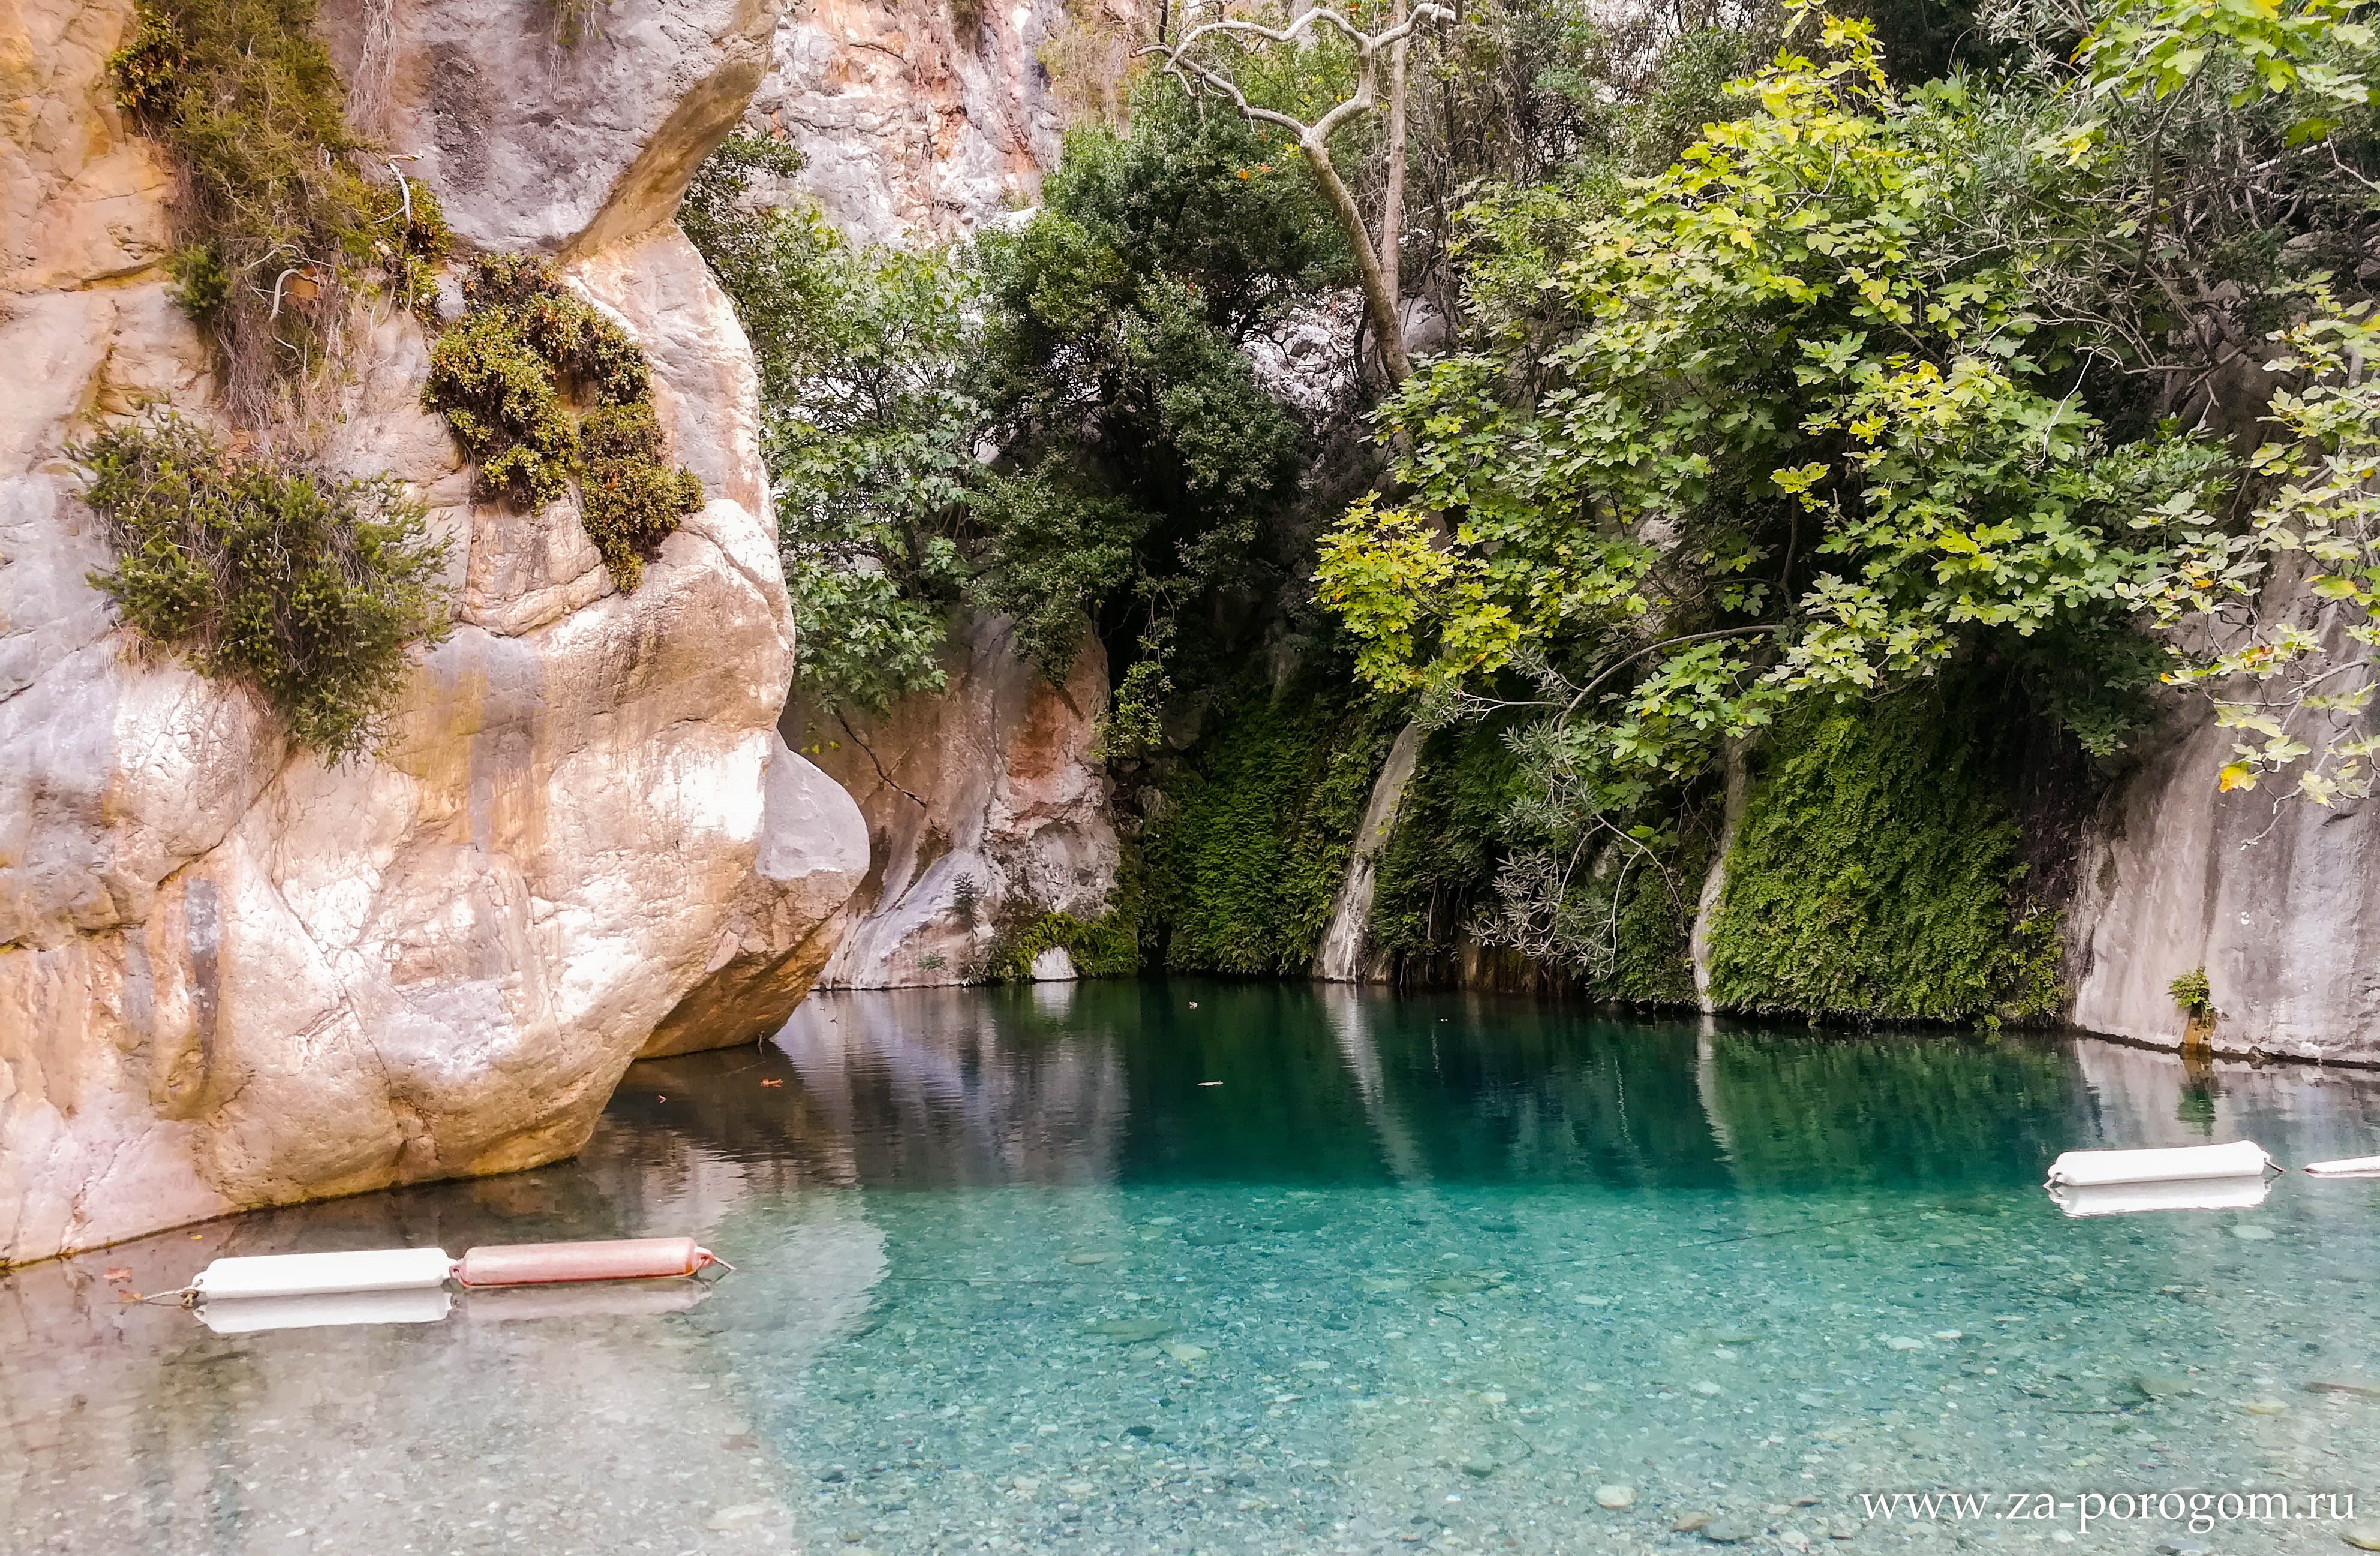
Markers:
2280,903
983,802
919,122
231,975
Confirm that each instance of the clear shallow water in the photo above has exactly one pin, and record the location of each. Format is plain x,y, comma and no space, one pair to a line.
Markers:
1419,1272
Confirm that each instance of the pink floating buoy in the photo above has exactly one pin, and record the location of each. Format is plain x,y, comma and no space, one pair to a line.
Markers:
542,1263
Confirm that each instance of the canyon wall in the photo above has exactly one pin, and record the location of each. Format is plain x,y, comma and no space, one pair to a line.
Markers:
2279,899
984,804
920,121
232,975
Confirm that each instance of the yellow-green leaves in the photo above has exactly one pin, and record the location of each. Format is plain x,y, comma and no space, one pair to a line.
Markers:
1767,422
2319,52
2290,664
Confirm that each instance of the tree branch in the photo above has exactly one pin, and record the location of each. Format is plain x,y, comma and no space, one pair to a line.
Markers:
1380,280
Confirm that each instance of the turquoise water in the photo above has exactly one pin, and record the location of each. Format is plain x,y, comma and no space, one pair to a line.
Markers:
1241,1269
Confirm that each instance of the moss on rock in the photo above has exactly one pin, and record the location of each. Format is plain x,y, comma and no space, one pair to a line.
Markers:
507,378
1874,877
1252,842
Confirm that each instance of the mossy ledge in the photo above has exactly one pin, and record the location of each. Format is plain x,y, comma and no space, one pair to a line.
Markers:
509,378
1104,946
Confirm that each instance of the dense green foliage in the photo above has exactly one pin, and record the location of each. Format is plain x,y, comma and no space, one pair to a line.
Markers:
1798,367
1111,352
1105,947
1859,387
1092,353
1458,869
1788,343
1874,876
1252,841
273,217
1439,865
508,378
869,429
307,589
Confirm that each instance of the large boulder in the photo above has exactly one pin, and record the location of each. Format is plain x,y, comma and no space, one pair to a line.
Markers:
232,975
785,920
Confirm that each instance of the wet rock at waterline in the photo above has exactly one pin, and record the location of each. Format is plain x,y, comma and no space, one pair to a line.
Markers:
235,975
2287,930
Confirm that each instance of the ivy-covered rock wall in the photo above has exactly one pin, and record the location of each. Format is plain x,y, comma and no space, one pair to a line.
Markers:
1250,838
1875,876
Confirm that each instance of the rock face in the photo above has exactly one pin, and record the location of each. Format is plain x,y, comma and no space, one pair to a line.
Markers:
916,125
785,922
535,145
233,976
983,805
2282,907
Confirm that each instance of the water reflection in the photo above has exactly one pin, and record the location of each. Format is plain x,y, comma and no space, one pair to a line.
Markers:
1294,1271
944,1088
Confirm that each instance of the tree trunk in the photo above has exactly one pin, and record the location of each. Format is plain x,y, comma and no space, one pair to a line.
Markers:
1393,202
1378,300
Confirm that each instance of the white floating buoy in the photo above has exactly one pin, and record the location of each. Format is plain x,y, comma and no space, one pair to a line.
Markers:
310,1274
2092,1169
2352,1166
251,1315
408,1286
2177,1194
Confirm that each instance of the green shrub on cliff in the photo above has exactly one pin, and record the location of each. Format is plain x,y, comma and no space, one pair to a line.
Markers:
275,221
309,590
508,379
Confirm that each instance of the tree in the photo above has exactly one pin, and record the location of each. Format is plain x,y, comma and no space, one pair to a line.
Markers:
1376,262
